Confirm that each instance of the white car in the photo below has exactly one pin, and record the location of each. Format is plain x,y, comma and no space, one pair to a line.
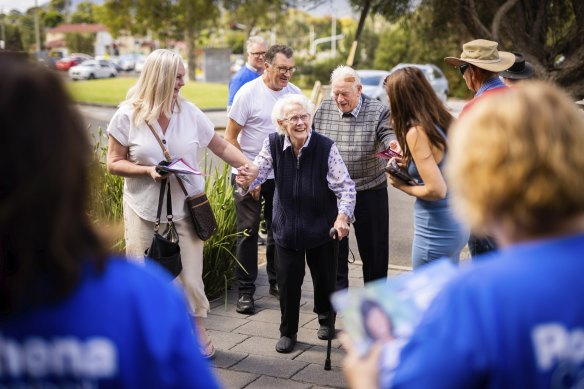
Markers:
92,69
434,76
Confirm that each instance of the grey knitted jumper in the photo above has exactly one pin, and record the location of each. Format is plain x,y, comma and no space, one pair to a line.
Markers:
358,138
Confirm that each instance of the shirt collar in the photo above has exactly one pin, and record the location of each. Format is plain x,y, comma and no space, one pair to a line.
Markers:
247,65
356,110
493,83
287,142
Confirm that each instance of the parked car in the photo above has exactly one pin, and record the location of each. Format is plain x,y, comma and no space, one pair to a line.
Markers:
67,63
89,70
127,62
434,76
139,64
372,81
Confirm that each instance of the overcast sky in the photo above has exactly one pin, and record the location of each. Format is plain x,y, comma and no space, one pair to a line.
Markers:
21,5
341,7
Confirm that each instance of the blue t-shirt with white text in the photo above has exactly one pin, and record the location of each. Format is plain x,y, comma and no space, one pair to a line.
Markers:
513,321
125,328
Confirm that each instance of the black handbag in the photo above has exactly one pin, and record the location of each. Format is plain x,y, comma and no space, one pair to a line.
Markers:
198,205
202,215
164,248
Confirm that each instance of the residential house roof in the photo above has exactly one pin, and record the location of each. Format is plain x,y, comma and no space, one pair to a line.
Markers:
79,28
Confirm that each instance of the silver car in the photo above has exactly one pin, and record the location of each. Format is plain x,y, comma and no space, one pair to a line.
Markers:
372,81
434,76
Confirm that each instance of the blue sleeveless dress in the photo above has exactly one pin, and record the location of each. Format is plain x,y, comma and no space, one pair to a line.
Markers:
437,233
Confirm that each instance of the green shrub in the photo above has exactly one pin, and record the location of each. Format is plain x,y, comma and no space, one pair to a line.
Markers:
106,197
218,255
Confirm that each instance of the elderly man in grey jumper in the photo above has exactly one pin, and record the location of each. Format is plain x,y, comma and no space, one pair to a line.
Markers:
360,127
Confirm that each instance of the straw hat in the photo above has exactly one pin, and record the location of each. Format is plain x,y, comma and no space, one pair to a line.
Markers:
483,54
520,70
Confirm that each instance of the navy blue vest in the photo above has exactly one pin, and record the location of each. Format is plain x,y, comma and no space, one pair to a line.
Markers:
305,208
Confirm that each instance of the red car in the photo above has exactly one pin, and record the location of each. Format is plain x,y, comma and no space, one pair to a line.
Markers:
70,61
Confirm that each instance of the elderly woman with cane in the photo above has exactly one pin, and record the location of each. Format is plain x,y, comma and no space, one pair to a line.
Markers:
313,193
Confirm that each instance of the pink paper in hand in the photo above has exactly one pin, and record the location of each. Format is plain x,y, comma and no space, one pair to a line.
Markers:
388,154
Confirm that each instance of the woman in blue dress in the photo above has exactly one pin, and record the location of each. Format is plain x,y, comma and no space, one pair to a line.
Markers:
420,122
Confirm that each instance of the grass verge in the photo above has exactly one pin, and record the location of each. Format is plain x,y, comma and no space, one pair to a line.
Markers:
113,90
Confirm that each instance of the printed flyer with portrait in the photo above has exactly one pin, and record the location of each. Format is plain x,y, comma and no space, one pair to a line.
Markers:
388,311
403,299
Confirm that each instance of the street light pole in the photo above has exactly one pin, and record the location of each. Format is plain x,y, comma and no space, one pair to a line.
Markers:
2,28
37,32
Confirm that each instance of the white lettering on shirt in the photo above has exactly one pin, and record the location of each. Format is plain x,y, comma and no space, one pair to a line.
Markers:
34,357
553,343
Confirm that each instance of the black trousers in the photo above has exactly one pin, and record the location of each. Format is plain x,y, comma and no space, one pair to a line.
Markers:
372,233
290,267
248,212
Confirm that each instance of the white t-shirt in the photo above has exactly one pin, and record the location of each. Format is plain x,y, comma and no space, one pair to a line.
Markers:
189,129
252,109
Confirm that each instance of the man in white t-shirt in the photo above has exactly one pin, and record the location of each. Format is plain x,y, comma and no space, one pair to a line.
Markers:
250,122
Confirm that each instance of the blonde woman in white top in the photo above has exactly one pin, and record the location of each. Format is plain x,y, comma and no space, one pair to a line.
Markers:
134,152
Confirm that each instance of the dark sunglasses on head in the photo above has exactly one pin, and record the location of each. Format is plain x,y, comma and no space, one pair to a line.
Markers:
463,68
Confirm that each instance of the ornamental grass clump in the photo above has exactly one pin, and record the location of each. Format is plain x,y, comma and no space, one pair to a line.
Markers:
106,196
219,251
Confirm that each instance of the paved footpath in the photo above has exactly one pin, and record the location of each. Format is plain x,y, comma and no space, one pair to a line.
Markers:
246,356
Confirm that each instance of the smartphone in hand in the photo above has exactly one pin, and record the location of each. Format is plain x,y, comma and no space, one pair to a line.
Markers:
395,170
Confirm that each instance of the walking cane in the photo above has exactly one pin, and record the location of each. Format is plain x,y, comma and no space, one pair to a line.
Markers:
334,235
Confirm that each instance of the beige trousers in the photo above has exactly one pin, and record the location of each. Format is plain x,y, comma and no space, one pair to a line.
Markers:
138,234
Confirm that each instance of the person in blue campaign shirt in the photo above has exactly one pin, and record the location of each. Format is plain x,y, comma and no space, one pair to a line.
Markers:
256,49
69,315
517,319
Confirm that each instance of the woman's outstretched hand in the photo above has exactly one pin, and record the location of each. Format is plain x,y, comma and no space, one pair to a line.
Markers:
245,176
247,173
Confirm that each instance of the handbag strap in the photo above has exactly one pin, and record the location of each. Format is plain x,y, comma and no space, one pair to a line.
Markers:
163,184
167,157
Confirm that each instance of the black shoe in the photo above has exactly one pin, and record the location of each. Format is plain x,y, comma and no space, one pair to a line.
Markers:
323,332
285,345
274,291
245,304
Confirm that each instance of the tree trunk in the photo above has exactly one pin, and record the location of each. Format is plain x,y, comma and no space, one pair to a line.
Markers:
191,57
364,13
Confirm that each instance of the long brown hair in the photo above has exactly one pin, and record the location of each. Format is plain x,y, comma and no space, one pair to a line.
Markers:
45,233
413,102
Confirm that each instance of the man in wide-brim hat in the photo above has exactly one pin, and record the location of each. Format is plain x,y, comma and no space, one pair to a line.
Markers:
521,70
480,64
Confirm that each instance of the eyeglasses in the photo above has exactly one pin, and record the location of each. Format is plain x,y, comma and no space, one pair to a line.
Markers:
284,69
463,68
294,119
259,54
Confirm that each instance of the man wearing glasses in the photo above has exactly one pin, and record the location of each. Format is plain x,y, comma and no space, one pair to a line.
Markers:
359,125
253,68
250,122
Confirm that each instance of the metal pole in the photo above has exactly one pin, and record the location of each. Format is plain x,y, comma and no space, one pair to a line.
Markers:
37,32
334,30
3,32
